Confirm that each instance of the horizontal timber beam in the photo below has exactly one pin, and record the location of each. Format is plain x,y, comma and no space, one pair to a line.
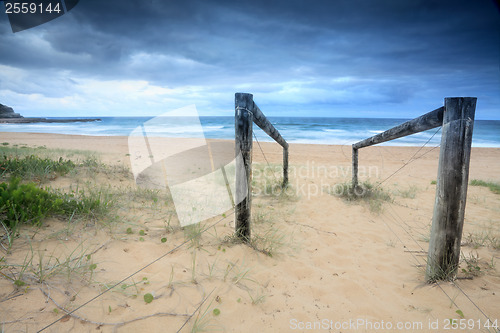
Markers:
426,122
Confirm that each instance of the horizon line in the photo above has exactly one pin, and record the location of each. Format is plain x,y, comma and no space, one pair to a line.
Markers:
201,116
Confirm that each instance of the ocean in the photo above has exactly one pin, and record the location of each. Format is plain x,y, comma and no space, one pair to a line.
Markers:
313,130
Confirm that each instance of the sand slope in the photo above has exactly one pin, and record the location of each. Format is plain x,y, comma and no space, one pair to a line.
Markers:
335,265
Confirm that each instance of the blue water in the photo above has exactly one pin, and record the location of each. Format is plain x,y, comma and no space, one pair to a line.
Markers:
335,131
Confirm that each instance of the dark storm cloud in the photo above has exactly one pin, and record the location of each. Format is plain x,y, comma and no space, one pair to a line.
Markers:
313,54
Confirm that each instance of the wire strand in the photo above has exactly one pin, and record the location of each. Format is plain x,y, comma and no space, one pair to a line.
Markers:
398,220
265,158
136,272
415,257
196,310
477,307
412,159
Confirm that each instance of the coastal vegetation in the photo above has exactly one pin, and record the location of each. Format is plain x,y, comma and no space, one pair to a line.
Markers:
494,187
366,192
56,197
26,203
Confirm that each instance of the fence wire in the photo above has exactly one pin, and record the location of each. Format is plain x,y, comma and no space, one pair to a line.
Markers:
394,216
136,272
412,158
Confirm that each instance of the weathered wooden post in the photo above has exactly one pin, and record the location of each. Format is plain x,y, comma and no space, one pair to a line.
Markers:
243,121
285,167
354,167
451,192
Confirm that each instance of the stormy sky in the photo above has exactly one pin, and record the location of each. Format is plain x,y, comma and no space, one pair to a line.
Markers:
333,58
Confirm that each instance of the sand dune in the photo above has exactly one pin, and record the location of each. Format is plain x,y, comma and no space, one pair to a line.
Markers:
320,263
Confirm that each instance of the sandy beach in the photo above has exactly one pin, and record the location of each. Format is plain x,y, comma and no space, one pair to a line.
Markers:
320,263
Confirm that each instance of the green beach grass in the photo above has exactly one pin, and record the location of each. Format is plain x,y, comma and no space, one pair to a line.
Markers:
365,192
493,186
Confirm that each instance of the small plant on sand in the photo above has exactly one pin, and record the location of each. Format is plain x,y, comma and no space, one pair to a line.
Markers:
135,284
16,272
77,264
460,313
92,202
166,223
492,264
171,278
367,192
409,193
192,233
230,266
211,269
484,238
193,267
261,215
148,298
154,198
257,299
435,272
472,267
269,241
495,242
266,238
203,320
241,274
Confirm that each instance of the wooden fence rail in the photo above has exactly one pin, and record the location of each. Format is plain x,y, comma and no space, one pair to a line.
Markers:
247,113
426,122
457,119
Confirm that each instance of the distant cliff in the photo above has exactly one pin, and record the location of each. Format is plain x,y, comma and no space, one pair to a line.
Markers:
7,115
7,112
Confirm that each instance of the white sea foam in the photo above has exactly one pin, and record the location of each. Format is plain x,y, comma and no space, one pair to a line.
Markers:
329,130
300,130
